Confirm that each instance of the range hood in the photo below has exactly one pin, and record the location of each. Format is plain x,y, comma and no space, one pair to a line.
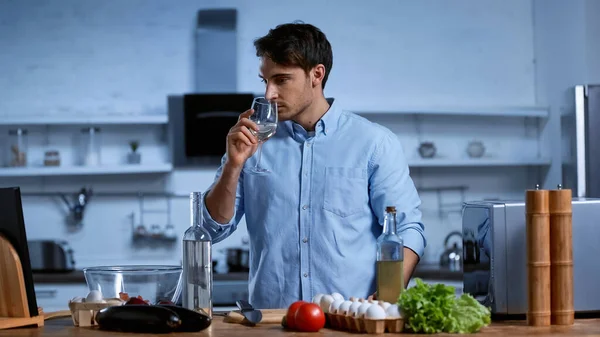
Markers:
215,58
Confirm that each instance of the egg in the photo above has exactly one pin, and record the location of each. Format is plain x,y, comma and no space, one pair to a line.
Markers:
393,311
77,299
337,296
335,305
343,309
325,303
317,298
360,313
94,296
354,309
384,305
375,312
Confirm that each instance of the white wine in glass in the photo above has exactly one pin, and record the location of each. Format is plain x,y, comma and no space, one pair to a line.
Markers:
265,131
265,117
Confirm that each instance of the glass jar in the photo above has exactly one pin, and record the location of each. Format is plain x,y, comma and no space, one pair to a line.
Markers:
51,158
17,147
91,144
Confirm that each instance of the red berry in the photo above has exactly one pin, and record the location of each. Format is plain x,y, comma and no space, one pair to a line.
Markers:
135,300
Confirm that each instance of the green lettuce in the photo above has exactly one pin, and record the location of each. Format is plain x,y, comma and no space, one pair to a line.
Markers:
433,308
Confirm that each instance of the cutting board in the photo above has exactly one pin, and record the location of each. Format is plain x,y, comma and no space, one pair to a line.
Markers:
56,314
269,316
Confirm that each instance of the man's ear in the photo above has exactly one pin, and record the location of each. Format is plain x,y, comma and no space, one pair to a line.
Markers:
318,73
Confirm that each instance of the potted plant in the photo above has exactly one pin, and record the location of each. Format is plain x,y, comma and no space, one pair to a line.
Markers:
134,157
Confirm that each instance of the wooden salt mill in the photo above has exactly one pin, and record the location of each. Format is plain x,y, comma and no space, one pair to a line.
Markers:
561,256
538,257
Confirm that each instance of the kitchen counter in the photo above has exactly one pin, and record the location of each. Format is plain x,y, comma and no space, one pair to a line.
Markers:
64,327
424,271
437,273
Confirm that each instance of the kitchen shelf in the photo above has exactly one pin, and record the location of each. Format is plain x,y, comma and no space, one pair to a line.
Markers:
515,111
445,162
83,170
84,120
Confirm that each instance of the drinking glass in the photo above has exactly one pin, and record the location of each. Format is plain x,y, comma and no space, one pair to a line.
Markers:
265,116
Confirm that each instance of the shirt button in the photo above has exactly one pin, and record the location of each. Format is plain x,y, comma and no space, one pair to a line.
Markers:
305,240
304,207
307,144
305,274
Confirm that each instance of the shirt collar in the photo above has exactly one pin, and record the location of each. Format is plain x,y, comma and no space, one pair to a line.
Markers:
326,125
329,122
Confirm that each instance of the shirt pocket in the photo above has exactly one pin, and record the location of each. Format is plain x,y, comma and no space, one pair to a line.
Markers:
346,191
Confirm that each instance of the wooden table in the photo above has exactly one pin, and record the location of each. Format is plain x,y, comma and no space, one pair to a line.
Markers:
64,327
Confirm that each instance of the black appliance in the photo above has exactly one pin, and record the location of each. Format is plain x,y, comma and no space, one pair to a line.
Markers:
199,124
51,256
581,170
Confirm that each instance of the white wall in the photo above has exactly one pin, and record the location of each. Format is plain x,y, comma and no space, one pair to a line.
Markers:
567,49
123,57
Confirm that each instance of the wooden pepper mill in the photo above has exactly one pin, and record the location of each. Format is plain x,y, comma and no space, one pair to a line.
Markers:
561,256
537,216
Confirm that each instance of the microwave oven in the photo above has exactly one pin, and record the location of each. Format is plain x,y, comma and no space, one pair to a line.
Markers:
495,255
199,124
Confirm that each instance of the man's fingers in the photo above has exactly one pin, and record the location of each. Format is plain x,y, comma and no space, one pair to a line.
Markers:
245,122
246,114
241,137
249,134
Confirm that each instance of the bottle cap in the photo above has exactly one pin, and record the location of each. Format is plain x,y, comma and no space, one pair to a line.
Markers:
390,209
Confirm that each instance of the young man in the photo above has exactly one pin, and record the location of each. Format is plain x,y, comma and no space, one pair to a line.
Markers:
314,219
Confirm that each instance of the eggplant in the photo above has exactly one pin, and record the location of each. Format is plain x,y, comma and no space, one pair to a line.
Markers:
191,321
138,318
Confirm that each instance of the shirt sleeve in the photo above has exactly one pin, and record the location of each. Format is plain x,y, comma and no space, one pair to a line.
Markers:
391,185
220,231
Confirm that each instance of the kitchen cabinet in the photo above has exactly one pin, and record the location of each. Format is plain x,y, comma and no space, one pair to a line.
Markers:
507,148
519,137
56,296
55,134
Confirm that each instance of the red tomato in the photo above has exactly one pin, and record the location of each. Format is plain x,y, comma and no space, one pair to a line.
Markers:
291,314
309,318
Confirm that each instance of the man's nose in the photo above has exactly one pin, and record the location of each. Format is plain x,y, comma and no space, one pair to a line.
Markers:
271,93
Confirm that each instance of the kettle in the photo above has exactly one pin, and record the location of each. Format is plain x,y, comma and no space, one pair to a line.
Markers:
452,257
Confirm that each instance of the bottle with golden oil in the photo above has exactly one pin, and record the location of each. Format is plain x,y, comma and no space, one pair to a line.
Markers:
390,260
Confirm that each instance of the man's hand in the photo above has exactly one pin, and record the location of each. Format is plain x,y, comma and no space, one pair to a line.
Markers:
241,143
411,259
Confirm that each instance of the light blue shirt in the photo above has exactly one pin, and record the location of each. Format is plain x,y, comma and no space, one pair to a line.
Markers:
313,221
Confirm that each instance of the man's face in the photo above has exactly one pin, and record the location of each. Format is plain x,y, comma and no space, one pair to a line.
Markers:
290,87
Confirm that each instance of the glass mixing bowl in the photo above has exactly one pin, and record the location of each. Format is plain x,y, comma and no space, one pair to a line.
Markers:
153,283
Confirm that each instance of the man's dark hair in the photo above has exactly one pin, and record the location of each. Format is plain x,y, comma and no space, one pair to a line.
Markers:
297,44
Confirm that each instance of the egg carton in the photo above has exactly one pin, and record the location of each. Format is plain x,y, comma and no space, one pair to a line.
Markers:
364,325
84,313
